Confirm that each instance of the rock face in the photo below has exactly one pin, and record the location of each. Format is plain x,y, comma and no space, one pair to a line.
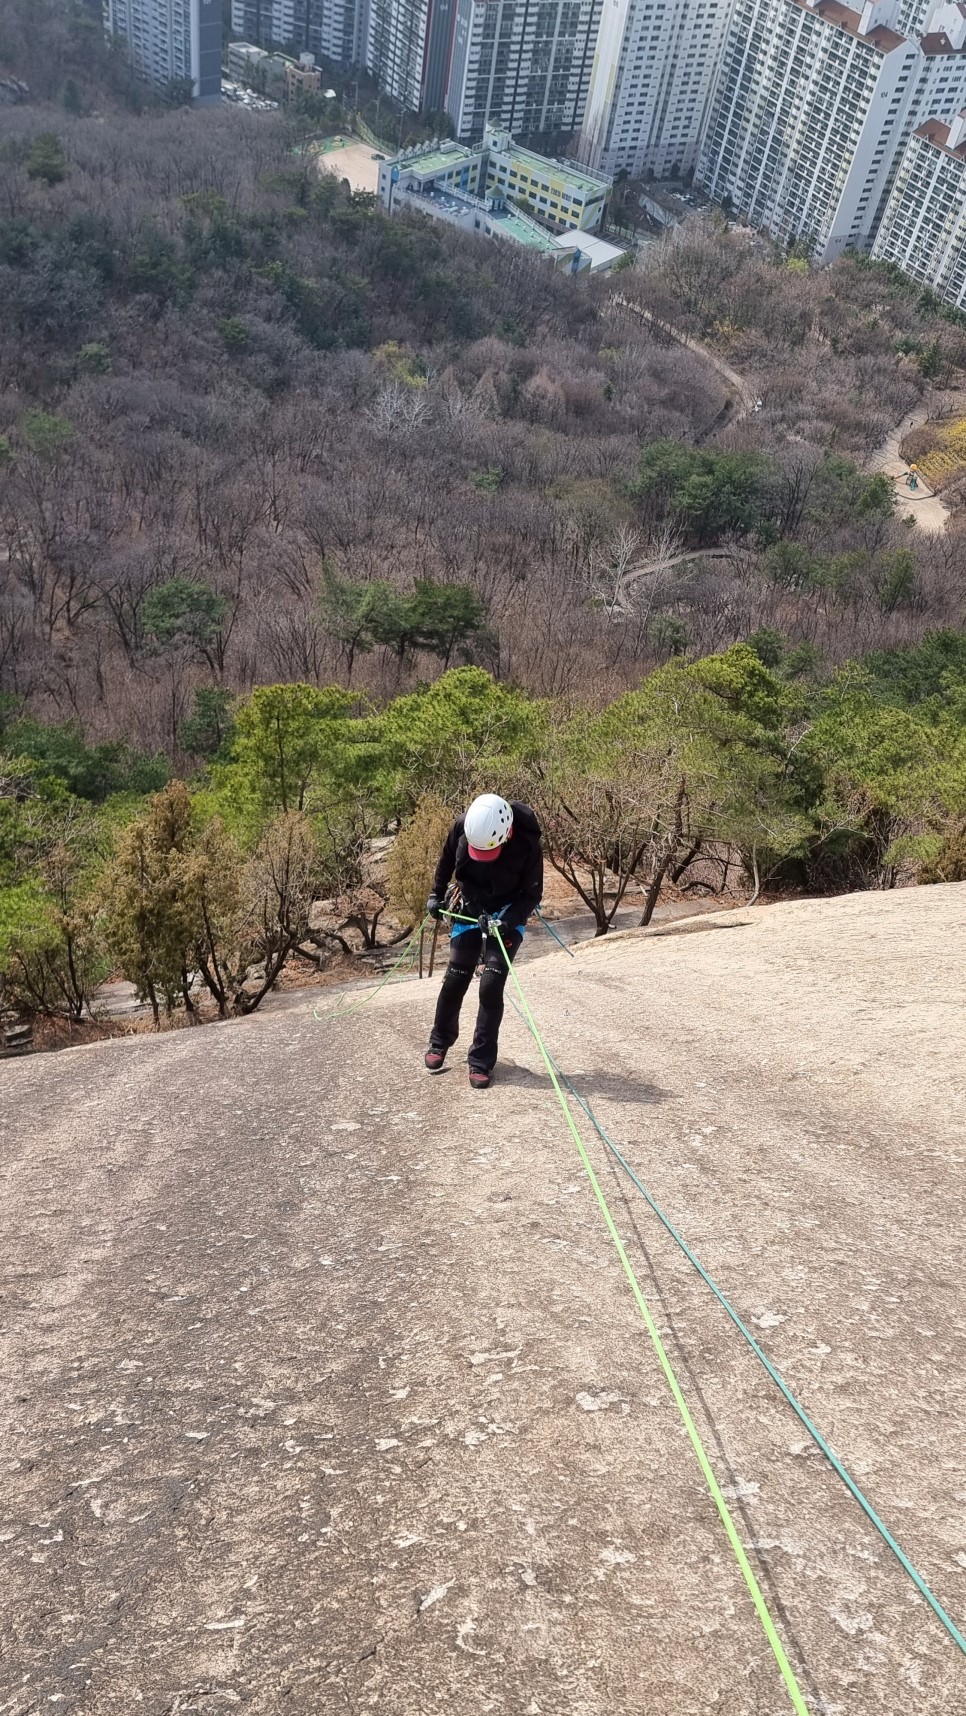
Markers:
324,1391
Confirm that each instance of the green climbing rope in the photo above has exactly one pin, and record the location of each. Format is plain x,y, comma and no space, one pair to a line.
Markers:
820,1442
776,1376
764,1614
408,956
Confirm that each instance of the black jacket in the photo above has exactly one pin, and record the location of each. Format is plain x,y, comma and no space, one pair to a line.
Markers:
513,879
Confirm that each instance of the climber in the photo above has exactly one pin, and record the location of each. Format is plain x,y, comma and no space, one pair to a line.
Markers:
494,855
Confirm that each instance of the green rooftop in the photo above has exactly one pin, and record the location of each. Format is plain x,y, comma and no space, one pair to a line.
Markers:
437,160
587,184
518,227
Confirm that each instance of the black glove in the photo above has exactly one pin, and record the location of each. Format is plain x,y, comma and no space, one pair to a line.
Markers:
433,907
484,922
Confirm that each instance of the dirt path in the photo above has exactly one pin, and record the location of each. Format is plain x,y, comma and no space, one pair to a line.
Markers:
745,397
322,1389
927,508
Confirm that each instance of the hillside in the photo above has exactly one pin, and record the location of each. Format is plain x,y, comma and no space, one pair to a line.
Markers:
324,1389
236,399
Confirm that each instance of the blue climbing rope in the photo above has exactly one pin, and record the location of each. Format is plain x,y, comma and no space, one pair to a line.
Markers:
551,931
799,1410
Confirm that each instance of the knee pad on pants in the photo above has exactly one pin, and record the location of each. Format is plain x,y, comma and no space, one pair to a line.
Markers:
492,984
457,979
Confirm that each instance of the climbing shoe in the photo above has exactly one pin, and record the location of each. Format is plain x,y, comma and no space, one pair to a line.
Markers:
433,1059
478,1079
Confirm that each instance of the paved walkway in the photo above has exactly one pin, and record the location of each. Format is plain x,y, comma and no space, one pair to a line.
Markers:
745,396
925,506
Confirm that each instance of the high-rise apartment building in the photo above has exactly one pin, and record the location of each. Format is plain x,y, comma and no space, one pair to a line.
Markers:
402,38
332,29
911,17
652,75
525,68
812,106
171,40
923,229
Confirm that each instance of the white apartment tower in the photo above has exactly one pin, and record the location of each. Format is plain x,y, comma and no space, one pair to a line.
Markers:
923,230
396,42
813,105
334,29
523,68
171,40
651,80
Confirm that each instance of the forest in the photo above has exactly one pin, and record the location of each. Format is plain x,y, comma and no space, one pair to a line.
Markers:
201,892
257,440
234,391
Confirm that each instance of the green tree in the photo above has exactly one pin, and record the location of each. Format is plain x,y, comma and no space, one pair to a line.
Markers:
94,358
356,614
463,734
442,619
157,269
920,673
290,742
46,435
727,726
234,334
71,99
46,159
186,613
250,914
345,828
92,772
414,855
54,955
210,728
892,784
51,848
279,887
179,92
604,806
149,901
709,492
439,618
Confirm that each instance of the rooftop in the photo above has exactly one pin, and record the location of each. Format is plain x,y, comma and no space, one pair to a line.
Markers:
935,132
588,184
436,160
832,12
937,42
523,230
599,251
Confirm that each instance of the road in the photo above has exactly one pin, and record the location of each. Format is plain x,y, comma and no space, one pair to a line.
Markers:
323,1390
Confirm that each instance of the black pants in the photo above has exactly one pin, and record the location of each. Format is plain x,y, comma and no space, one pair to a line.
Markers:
464,954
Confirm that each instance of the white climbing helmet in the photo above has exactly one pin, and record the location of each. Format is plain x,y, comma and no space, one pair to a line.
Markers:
487,826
